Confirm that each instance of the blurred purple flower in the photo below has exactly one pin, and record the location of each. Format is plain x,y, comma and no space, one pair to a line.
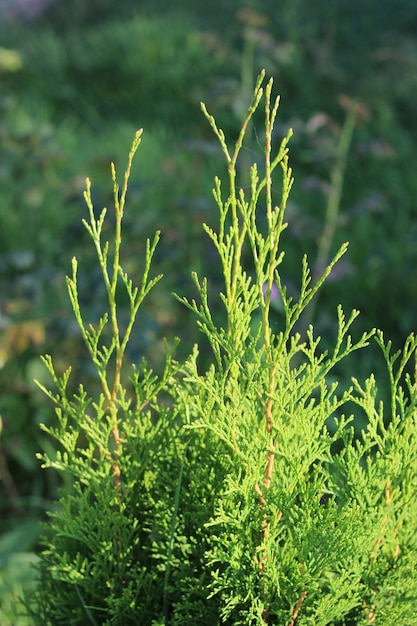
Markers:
26,9
275,295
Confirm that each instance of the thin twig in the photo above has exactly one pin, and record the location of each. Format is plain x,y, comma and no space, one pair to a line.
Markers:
297,608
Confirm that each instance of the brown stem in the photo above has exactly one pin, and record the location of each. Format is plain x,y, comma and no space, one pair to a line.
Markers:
116,462
112,398
116,474
297,608
269,425
267,478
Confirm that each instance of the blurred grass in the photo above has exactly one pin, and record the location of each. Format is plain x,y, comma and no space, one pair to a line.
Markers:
17,573
16,579
76,84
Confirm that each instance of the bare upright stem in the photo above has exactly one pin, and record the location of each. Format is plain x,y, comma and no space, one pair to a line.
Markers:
297,608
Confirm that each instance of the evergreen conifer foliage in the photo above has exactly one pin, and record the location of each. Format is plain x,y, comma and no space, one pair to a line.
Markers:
222,496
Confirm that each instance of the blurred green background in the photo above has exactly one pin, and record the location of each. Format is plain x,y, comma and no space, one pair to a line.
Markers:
78,78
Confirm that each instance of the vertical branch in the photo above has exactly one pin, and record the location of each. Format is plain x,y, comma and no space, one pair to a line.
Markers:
267,477
274,226
117,346
269,427
297,608
238,231
119,203
274,217
266,259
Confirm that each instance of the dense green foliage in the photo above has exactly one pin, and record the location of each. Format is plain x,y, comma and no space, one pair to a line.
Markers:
221,495
74,86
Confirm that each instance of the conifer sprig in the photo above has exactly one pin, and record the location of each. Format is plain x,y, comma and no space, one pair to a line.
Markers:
242,494
112,272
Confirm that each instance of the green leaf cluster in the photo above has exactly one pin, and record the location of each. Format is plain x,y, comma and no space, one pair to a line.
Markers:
238,494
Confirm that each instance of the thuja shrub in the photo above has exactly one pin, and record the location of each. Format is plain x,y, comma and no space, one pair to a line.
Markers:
238,493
